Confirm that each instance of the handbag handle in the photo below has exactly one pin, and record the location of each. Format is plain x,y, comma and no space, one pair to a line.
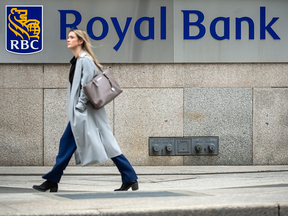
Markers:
99,67
112,88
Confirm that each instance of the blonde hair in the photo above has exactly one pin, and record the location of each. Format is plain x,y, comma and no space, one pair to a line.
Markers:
86,45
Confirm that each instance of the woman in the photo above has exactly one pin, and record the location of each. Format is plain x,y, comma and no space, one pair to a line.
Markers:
88,134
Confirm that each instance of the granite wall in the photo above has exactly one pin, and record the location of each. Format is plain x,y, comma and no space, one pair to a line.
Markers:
246,105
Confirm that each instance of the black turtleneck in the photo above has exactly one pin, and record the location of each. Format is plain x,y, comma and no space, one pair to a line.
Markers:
72,69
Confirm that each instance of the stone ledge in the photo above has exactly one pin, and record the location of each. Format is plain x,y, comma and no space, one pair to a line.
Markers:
143,170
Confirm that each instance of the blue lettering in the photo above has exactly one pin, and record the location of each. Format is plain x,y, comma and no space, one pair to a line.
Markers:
120,34
226,21
64,25
151,28
187,24
163,23
90,28
250,24
267,28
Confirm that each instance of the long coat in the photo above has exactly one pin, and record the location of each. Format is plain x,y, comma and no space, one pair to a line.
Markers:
94,139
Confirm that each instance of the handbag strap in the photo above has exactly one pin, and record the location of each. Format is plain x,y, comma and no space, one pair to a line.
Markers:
112,88
99,68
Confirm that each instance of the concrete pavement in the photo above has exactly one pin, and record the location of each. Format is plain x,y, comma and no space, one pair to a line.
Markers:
183,190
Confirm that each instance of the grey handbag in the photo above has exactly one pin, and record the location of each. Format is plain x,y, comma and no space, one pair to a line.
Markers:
102,89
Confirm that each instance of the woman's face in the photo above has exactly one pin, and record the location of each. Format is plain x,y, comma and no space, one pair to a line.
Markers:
72,41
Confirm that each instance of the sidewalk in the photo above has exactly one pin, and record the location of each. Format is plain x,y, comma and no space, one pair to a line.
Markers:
182,190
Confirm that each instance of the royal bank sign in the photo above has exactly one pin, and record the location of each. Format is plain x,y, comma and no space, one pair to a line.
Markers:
147,31
24,29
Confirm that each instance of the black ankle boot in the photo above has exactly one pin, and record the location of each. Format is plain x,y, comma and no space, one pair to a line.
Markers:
127,185
46,186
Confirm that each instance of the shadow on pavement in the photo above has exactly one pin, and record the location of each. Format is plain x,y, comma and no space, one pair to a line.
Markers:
15,190
26,190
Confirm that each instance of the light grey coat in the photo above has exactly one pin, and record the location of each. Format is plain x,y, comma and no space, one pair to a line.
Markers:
94,139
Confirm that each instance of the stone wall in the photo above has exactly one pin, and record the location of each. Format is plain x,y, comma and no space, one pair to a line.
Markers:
246,105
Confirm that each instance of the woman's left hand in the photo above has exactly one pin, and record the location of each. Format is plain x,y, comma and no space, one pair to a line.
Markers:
80,107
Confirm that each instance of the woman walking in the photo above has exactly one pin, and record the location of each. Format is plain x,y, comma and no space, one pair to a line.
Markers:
88,134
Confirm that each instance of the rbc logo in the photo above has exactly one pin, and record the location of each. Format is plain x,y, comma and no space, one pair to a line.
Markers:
24,29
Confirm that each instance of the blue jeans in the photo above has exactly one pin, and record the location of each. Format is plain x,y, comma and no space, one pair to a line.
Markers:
66,149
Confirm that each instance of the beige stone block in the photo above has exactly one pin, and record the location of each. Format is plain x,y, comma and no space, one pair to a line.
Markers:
55,123
270,128
225,113
132,75
196,74
56,75
218,75
148,75
21,128
235,75
168,75
270,75
143,113
21,76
